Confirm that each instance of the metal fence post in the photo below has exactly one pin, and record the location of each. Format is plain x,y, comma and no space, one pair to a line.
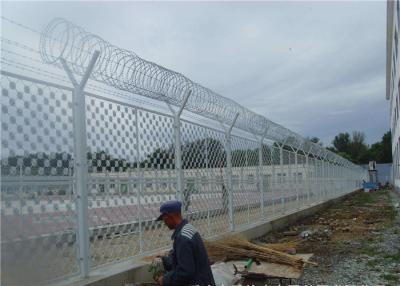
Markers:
289,177
319,166
229,172
296,185
323,185
323,175
331,170
139,200
139,176
260,173
178,158
319,171
178,149
80,162
334,177
340,176
260,177
243,182
282,180
307,178
344,177
337,176
314,193
273,180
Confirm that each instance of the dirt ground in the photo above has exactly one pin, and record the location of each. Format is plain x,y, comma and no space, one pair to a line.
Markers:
355,242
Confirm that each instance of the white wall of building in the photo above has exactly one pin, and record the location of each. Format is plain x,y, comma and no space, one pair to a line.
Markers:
393,83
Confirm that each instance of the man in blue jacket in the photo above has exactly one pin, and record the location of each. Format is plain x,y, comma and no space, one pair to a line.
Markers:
187,262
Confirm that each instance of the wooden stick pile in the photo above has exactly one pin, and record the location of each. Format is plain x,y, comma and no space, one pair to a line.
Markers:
282,246
234,248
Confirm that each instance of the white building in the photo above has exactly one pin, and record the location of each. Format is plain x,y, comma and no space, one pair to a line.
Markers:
393,82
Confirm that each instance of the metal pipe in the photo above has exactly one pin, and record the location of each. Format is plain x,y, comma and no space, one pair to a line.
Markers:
178,148
229,172
80,163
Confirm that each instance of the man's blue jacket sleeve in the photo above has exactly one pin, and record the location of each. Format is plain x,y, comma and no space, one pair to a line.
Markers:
185,270
167,261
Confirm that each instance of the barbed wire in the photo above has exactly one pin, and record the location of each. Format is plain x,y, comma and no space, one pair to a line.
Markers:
91,87
83,52
35,70
125,71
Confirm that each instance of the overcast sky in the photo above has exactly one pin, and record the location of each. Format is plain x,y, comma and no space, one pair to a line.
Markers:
317,68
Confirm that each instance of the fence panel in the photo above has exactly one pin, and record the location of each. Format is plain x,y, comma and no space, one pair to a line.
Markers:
266,173
38,215
246,194
157,172
205,194
276,182
301,179
112,189
131,170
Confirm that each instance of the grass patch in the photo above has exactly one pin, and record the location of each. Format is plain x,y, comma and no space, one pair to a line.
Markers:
367,250
391,213
339,206
390,278
394,257
363,199
372,263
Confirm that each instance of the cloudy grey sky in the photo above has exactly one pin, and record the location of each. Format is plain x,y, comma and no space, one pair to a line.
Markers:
317,68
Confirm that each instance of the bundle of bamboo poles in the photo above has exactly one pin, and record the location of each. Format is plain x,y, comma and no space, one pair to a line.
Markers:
235,248
282,246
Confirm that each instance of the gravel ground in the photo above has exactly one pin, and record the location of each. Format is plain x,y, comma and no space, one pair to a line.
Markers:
354,243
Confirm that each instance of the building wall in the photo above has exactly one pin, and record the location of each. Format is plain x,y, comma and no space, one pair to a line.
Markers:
393,83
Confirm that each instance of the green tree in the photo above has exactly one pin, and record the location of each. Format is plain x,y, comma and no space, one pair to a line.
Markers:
247,157
200,153
341,143
159,159
386,154
358,148
375,151
357,151
381,152
315,140
102,161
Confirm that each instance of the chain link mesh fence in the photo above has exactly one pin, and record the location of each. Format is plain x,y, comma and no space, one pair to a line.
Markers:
131,171
132,167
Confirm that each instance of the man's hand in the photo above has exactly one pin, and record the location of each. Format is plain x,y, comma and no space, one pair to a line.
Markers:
163,254
160,281
156,268
157,263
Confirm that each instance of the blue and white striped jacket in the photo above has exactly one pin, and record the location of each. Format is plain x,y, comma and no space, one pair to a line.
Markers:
187,263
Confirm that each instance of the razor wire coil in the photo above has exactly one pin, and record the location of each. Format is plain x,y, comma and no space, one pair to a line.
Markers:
124,70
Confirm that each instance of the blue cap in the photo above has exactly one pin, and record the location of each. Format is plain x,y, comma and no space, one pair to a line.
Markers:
169,207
